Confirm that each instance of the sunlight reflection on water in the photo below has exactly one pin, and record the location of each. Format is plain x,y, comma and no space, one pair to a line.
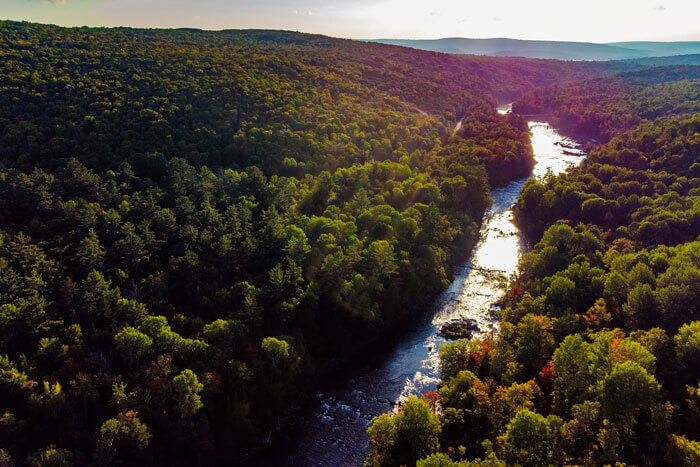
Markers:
496,255
335,434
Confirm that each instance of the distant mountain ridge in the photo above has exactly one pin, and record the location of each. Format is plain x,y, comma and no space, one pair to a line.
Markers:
559,50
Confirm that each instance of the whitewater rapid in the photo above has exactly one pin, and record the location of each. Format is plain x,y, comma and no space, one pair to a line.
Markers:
333,431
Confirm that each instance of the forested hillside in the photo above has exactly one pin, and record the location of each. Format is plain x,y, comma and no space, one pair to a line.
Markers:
195,225
605,107
598,357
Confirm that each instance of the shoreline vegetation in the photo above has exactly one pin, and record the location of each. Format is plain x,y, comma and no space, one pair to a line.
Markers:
597,360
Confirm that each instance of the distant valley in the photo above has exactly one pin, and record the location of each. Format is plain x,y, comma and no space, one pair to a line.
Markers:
501,47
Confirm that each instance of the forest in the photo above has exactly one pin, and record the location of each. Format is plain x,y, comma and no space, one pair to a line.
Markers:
608,106
598,357
195,226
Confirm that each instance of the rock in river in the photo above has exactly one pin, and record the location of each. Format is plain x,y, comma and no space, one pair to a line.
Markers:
458,329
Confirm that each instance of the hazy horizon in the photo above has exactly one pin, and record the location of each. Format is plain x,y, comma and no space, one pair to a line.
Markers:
597,21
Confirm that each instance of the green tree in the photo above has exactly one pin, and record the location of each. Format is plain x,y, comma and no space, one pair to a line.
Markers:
277,350
642,307
89,253
122,439
404,438
628,388
561,294
417,430
133,345
382,433
186,389
534,342
687,342
529,440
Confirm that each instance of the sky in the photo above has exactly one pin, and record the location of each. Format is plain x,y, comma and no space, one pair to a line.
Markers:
588,20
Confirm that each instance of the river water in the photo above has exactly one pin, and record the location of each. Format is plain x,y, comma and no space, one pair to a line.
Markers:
333,432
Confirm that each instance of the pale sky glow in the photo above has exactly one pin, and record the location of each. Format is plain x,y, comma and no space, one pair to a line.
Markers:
591,20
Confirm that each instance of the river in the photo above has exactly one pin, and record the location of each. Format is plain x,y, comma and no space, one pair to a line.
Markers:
334,430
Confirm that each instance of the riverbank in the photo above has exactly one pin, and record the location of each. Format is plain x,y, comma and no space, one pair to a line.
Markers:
334,431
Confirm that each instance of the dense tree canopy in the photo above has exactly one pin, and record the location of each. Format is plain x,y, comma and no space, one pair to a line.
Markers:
597,361
606,107
194,225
